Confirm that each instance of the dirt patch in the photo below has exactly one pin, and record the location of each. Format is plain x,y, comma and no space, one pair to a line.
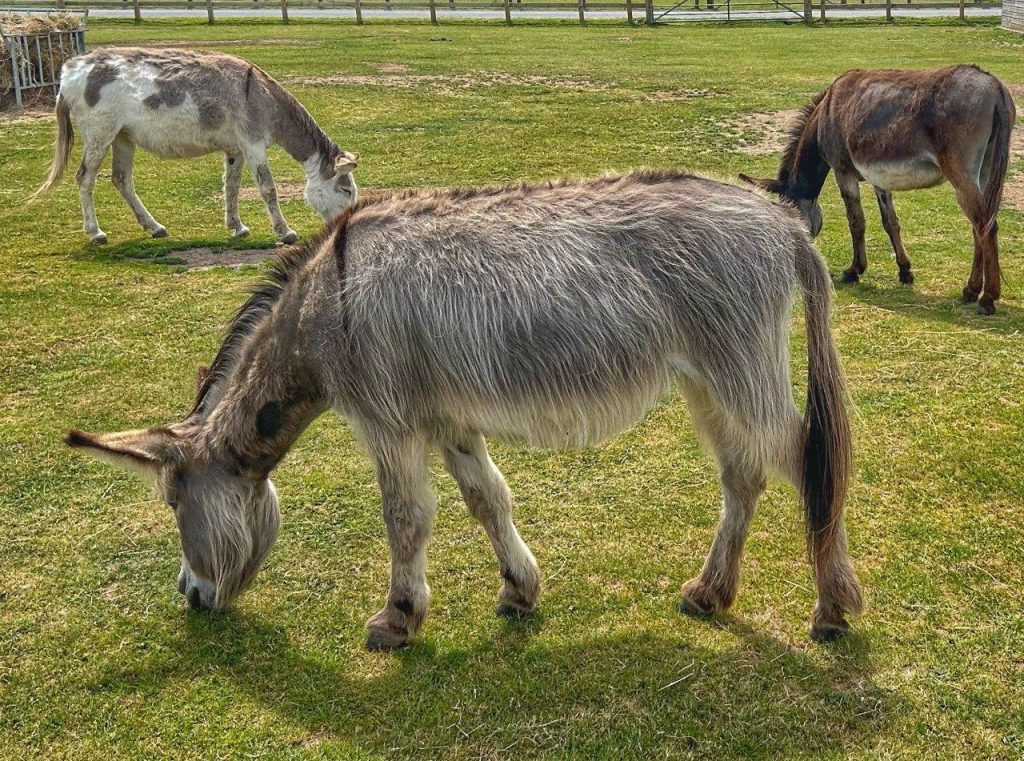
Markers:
455,83
205,258
293,191
760,134
221,43
390,68
1013,191
286,191
27,114
672,96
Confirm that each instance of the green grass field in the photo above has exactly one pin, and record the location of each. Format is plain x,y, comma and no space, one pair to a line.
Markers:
99,656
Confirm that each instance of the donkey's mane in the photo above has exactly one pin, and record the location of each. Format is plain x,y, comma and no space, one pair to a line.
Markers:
796,132
304,122
265,293
268,291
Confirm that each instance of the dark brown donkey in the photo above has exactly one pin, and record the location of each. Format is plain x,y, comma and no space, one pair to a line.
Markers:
903,130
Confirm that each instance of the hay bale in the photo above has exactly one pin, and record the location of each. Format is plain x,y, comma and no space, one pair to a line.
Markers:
37,25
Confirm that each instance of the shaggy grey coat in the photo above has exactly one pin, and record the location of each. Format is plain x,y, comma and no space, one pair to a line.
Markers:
555,314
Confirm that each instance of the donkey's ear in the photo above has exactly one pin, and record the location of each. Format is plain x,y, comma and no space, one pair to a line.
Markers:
770,184
145,452
345,163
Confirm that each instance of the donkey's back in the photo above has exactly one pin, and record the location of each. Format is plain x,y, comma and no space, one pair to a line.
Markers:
173,103
559,313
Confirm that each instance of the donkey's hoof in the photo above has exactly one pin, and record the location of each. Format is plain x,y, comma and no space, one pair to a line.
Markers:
986,305
849,277
697,600
160,232
969,296
689,607
380,639
829,631
241,232
906,277
508,610
99,239
289,237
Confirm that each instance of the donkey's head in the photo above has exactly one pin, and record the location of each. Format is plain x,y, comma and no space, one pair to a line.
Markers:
227,518
788,191
330,193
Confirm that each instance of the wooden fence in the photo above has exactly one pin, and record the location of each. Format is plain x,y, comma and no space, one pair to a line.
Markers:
633,11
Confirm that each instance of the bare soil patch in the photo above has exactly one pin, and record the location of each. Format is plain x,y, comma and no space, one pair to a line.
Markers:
35,112
205,258
220,43
1013,191
455,83
760,134
390,68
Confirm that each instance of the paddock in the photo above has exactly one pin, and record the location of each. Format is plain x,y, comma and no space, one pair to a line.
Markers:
98,654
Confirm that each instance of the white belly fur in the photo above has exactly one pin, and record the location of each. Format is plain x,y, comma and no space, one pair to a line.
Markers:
910,174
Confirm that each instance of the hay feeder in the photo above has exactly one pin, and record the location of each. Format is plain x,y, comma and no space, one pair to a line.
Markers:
38,42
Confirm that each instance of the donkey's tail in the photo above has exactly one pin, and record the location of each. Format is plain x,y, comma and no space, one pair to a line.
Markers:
61,148
999,150
826,458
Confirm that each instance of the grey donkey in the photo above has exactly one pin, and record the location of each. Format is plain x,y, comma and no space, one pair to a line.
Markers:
553,314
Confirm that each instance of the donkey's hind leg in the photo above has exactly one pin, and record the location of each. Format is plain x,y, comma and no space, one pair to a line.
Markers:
489,501
93,152
233,165
121,176
408,506
743,477
892,228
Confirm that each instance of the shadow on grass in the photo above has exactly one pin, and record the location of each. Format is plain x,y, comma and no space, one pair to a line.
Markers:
628,694
943,308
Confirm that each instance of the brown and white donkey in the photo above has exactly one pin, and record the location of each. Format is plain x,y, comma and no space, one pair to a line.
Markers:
903,130
184,103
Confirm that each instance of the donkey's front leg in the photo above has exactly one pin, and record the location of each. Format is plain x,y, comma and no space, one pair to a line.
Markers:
233,164
489,501
850,191
122,176
409,506
268,191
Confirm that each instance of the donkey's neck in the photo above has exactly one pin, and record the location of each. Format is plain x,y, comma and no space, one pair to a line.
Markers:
301,137
269,401
808,168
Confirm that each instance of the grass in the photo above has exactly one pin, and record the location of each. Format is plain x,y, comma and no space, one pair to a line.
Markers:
98,656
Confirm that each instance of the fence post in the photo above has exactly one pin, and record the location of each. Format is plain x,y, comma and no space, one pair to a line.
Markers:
649,12
433,12
962,10
508,13
888,10
629,12
359,12
807,12
209,11
284,11
137,10
582,5
822,14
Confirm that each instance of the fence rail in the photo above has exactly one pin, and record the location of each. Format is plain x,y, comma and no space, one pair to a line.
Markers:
638,11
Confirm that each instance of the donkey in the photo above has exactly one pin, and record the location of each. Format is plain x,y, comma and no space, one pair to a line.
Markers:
903,130
183,103
553,314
